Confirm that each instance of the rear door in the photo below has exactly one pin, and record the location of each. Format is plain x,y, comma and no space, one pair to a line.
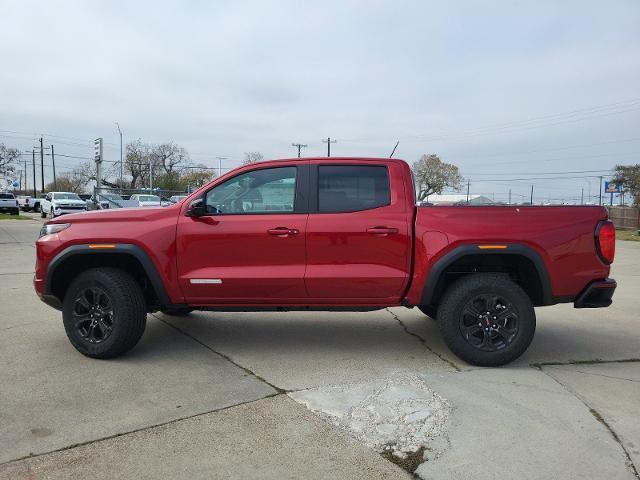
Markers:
250,246
358,233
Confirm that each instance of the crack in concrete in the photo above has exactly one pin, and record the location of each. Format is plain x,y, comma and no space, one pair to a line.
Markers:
593,373
596,361
629,462
141,429
423,341
226,357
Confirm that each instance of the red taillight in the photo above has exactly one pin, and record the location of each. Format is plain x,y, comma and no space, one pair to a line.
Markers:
17,204
606,241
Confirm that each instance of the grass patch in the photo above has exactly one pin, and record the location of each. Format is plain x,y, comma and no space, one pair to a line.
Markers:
628,235
8,216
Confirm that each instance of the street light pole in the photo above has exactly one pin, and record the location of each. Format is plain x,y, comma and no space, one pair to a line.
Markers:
120,132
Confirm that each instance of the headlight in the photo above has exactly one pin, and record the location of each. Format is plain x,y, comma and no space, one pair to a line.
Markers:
53,228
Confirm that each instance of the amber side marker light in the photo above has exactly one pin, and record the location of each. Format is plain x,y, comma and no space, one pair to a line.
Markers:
492,247
102,245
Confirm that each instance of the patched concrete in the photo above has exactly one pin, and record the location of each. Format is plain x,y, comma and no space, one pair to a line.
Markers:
399,414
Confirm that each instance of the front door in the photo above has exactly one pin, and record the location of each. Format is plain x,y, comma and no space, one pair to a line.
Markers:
249,248
358,234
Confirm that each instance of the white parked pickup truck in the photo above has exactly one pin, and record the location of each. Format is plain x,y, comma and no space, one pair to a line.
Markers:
59,203
8,203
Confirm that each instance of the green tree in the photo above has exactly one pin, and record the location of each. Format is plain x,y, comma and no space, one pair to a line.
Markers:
629,177
433,176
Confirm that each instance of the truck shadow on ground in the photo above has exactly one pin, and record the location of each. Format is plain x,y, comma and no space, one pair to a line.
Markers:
379,335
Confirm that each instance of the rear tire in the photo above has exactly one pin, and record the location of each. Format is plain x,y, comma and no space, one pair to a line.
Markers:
43,214
104,312
486,319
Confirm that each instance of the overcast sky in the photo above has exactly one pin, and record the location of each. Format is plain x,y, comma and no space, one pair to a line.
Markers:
504,90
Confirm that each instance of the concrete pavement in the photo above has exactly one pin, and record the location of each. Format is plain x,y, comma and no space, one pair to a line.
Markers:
203,396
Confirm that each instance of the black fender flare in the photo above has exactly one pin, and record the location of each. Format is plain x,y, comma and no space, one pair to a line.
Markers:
117,249
474,249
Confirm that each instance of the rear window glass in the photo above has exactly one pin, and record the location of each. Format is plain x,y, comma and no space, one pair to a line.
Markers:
349,188
5,196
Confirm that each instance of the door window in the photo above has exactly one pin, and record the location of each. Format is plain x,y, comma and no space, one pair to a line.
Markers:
350,188
268,190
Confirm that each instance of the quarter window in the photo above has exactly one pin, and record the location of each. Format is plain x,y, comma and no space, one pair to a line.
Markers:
268,190
349,188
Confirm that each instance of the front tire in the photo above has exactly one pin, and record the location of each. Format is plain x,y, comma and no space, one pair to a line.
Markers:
104,312
486,319
43,214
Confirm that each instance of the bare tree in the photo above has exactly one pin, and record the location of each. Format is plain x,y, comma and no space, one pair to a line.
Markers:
137,161
433,175
7,158
170,156
252,157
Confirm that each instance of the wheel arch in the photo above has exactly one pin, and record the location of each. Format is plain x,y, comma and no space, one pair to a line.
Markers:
67,264
521,261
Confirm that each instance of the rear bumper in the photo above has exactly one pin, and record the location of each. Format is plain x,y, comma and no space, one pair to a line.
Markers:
597,294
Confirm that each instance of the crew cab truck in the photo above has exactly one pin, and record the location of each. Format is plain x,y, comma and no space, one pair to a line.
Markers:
55,204
325,234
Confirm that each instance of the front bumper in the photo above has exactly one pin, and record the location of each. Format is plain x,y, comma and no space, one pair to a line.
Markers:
62,211
597,294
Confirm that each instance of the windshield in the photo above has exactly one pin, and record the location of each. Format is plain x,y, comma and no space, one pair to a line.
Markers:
111,196
66,196
148,198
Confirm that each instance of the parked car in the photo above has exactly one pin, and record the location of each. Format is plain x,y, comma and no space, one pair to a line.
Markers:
24,203
35,202
105,201
55,204
177,198
325,233
8,203
146,200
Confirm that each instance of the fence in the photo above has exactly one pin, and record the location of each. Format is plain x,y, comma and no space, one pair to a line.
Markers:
625,217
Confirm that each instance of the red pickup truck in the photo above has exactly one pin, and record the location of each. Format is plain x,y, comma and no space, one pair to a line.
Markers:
325,234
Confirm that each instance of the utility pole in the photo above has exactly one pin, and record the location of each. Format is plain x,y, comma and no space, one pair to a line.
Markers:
26,180
468,187
41,165
21,180
150,176
220,165
53,163
120,132
582,197
600,194
531,202
97,155
33,159
328,141
299,146
509,196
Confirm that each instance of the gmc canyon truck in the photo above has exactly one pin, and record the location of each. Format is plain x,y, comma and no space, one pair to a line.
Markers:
324,234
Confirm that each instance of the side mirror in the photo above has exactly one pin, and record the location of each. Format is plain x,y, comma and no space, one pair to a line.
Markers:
196,208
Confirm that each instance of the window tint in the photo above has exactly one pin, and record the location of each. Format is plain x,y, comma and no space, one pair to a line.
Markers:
349,188
6,196
268,190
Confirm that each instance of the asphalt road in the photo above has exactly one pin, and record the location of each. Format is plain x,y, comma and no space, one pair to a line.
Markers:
219,395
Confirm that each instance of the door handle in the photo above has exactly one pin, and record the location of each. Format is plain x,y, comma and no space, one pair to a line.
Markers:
381,231
282,231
